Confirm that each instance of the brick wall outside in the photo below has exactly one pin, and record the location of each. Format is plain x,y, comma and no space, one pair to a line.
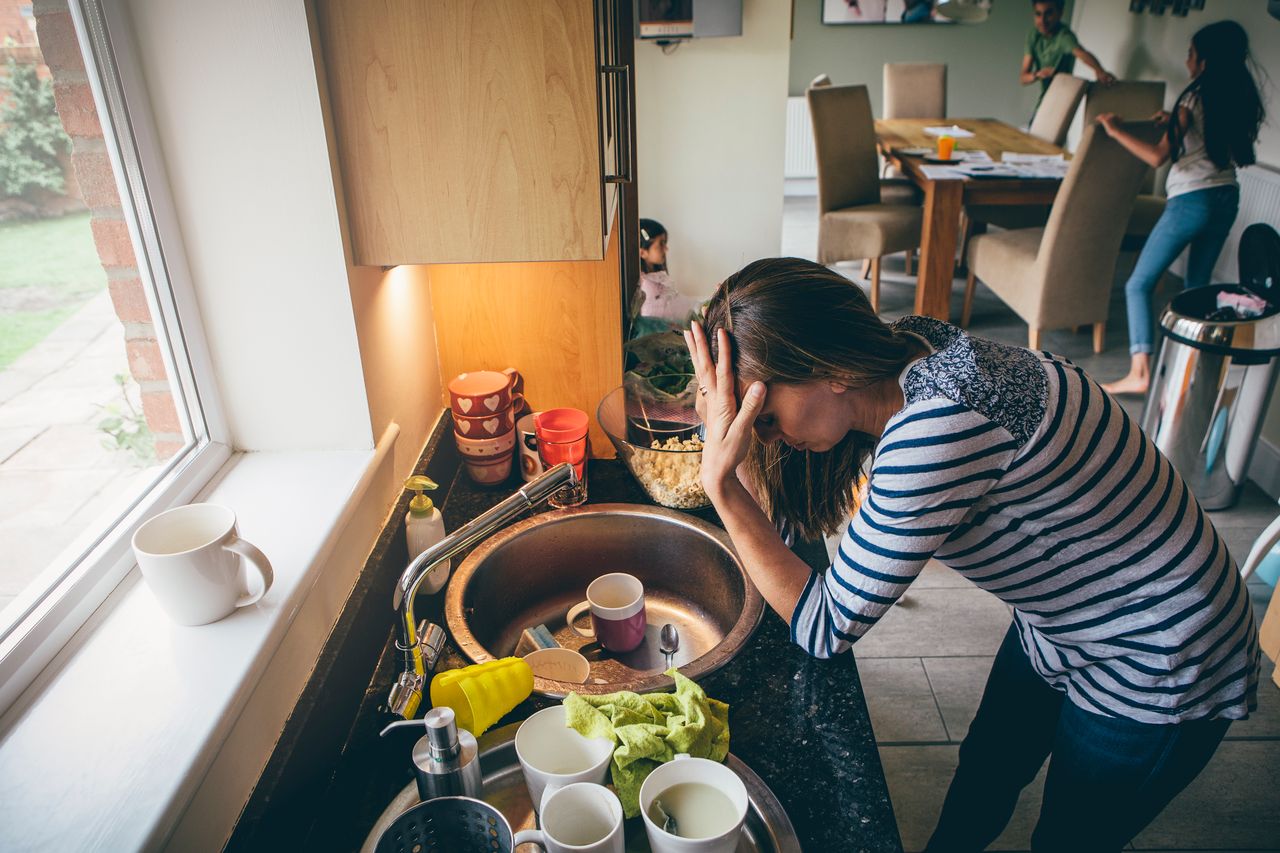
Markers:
111,236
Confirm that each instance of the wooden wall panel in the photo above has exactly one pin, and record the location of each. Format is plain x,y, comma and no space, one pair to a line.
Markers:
559,324
466,131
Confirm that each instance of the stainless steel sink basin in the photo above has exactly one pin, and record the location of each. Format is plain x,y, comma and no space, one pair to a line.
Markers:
534,571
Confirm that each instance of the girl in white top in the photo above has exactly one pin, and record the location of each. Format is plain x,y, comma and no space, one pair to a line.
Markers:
663,306
1211,131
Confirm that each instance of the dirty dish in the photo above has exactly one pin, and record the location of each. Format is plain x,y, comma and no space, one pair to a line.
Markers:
616,602
482,693
559,665
552,755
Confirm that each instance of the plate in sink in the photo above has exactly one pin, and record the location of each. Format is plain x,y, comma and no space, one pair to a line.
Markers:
767,829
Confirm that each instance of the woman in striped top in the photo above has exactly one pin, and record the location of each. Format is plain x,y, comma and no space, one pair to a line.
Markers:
1133,644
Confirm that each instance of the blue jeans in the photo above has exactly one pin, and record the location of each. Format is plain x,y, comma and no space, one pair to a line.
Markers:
1200,219
1108,777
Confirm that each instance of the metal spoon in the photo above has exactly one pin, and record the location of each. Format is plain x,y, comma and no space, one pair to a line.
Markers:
669,642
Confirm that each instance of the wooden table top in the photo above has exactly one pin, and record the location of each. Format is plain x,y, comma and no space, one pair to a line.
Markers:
994,137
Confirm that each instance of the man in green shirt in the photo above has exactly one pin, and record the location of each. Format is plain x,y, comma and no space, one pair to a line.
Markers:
1053,48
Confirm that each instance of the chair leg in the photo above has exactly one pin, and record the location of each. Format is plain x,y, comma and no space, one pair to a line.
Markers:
866,267
911,254
1099,336
969,286
1033,338
875,285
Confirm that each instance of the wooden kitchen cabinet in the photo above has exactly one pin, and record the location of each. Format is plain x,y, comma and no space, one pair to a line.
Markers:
479,130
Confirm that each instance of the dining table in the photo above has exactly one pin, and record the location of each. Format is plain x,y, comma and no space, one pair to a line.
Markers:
902,142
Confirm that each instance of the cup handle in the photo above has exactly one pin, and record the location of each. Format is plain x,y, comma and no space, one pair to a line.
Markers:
574,612
517,402
514,380
530,836
260,562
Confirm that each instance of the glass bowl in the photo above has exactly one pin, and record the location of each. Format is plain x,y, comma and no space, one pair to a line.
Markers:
669,472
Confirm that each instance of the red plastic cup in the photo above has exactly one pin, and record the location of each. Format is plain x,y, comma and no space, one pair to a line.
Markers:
562,437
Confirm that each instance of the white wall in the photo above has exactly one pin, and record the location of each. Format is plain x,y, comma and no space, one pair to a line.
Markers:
711,120
233,89
1154,47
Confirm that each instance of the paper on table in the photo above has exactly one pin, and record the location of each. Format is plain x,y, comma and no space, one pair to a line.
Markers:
957,132
975,156
942,173
1016,157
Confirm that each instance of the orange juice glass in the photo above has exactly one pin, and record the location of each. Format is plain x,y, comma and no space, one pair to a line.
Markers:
946,146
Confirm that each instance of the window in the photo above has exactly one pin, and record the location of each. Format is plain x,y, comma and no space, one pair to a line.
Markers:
105,407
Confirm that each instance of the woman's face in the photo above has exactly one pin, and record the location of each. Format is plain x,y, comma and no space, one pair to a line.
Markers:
1195,65
805,415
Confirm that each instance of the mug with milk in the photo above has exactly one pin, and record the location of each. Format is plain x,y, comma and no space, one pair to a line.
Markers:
705,802
192,558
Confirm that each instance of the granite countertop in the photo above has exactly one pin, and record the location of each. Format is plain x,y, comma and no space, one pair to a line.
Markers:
800,723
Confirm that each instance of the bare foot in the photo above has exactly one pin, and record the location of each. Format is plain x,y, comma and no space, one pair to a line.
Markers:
1131,384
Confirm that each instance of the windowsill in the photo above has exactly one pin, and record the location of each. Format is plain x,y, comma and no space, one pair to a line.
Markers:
109,745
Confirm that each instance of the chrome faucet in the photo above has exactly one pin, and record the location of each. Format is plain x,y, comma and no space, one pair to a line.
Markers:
406,693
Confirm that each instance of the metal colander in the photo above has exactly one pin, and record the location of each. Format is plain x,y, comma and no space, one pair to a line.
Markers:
448,825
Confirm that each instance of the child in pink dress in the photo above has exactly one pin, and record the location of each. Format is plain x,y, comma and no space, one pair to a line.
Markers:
662,300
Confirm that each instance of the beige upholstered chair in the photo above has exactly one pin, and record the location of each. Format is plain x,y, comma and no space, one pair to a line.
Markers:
893,190
1057,108
915,90
1132,100
1060,276
853,220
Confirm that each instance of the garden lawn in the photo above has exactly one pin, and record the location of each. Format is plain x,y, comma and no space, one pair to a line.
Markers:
48,269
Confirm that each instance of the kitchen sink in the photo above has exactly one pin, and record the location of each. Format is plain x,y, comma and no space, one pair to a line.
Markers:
532,572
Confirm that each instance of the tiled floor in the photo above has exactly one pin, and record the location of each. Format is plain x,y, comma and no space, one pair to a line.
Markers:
923,667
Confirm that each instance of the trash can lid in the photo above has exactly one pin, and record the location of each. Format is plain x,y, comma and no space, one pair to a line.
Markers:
1193,318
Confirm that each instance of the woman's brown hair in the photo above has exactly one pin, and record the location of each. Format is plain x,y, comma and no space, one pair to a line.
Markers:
792,321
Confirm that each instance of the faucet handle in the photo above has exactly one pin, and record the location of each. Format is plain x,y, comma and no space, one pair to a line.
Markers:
406,696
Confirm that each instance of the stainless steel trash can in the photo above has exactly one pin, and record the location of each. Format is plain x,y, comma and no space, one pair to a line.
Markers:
1209,392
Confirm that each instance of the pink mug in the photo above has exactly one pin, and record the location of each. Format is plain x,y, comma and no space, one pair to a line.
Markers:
618,619
484,392
486,426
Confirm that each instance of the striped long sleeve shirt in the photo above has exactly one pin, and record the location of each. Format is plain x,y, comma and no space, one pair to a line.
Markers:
1015,469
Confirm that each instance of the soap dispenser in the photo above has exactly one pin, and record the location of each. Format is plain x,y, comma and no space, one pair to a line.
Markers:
446,759
424,527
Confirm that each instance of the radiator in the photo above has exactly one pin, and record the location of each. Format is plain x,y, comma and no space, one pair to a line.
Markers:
800,159
1259,202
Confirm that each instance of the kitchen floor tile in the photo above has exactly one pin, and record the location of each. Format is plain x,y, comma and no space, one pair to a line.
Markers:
1254,509
1231,805
900,701
957,688
918,778
938,622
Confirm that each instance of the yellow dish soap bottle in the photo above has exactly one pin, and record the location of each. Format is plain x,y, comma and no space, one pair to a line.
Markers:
424,527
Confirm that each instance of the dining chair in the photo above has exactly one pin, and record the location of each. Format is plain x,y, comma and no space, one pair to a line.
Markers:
854,221
1058,107
915,90
1060,275
1132,100
893,190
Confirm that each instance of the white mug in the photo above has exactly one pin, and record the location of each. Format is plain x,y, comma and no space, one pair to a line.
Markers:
702,771
552,754
190,557
578,818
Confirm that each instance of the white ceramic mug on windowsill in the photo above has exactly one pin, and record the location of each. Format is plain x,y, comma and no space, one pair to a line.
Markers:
191,558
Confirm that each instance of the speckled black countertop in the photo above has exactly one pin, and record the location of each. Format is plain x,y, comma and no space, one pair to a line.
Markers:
800,723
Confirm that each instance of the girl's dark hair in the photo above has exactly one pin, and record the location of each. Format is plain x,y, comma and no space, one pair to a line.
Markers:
1229,99
793,321
650,230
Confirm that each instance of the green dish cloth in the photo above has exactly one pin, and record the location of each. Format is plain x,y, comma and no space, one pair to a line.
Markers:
650,729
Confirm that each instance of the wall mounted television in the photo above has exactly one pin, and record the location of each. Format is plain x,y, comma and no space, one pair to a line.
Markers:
670,20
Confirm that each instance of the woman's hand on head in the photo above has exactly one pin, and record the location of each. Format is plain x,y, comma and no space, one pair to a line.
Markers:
728,424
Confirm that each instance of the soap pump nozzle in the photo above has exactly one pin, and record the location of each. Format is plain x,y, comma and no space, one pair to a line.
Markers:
420,505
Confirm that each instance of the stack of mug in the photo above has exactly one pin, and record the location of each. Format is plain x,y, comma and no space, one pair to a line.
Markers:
485,404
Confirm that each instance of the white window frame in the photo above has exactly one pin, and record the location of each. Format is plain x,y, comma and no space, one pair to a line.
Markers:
53,614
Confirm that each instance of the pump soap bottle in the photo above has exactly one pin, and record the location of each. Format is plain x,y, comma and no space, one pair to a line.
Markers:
424,527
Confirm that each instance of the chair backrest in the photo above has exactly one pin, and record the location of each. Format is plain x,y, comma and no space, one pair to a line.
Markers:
844,139
1058,108
915,90
1132,100
820,80
1081,242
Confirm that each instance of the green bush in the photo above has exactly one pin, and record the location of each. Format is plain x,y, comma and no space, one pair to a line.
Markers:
31,134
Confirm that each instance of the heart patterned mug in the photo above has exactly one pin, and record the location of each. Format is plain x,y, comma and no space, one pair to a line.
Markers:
483,393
